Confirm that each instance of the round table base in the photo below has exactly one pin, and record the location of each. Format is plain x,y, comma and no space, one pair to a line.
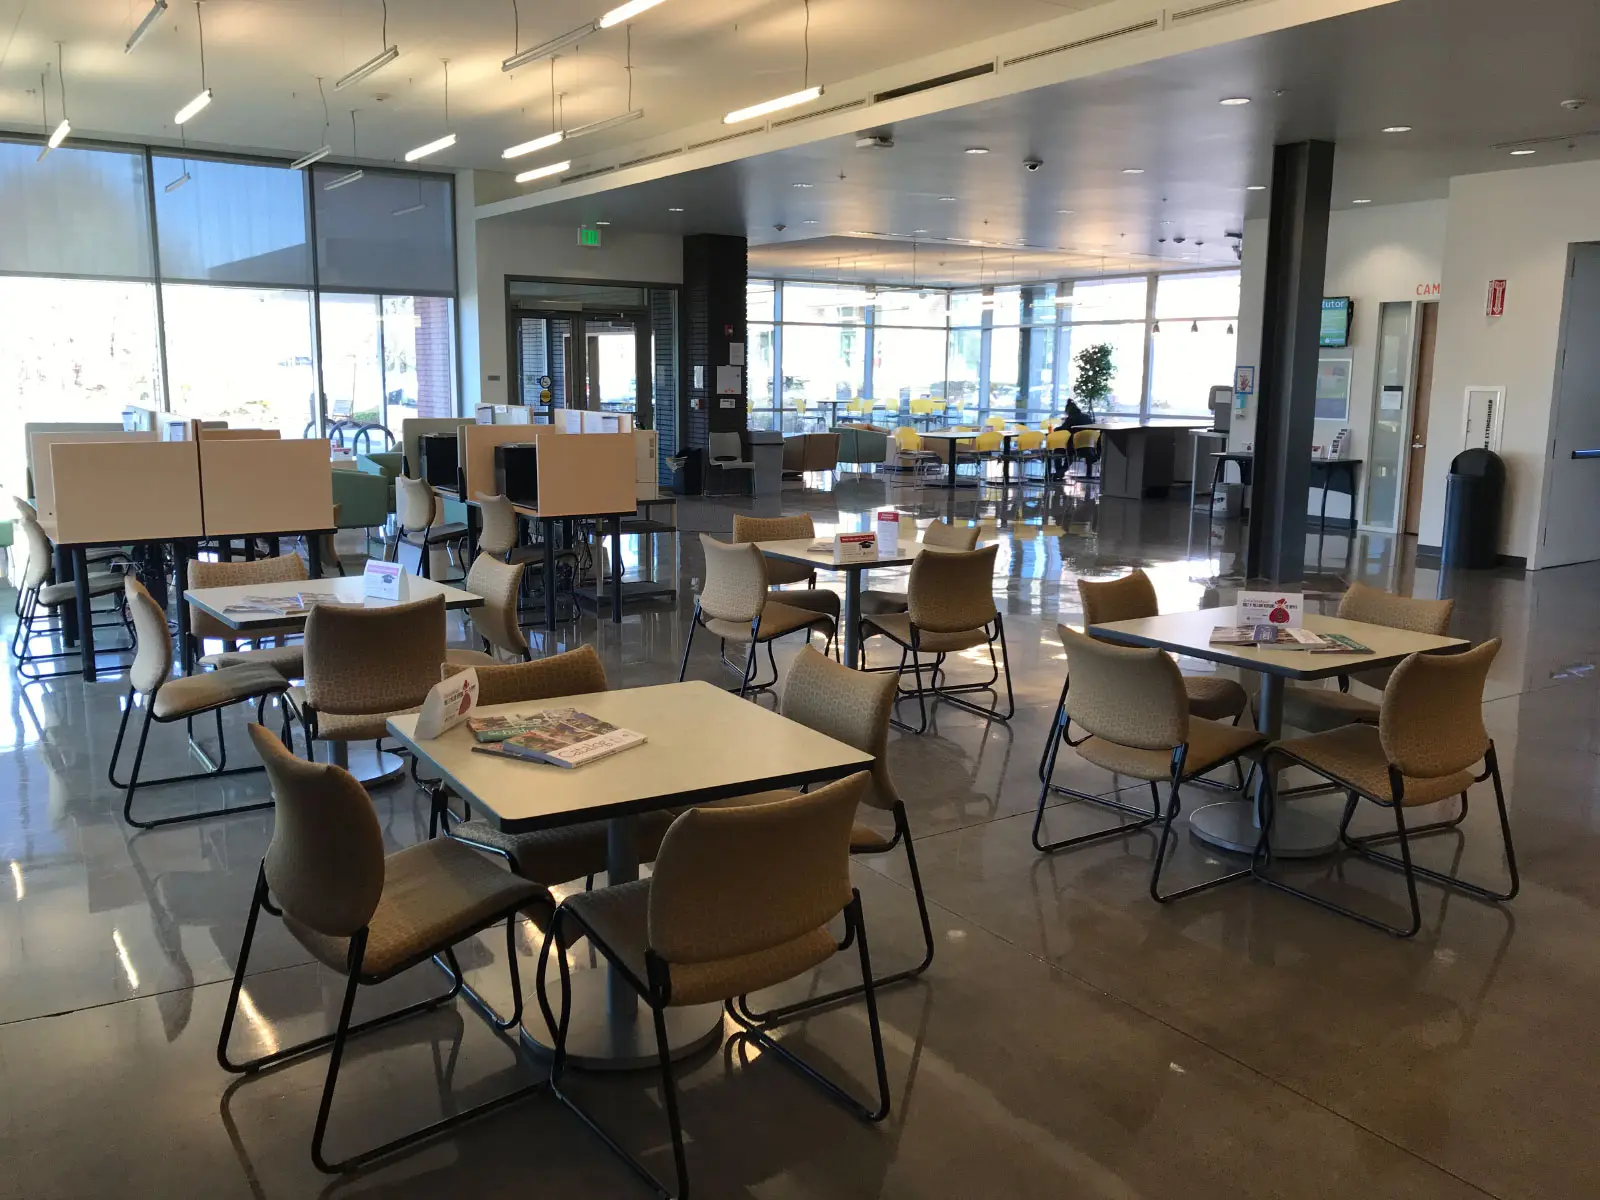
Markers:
1231,825
597,1041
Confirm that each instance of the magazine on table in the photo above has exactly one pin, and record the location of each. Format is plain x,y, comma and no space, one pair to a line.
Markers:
297,605
561,737
1282,637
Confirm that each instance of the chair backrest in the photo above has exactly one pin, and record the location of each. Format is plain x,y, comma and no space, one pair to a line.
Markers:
286,568
1126,599
1059,439
987,442
576,673
772,529
1085,439
735,588
40,559
373,660
325,862
996,422
725,447
1377,607
25,509
1029,439
734,881
907,438
499,584
499,532
1431,721
852,707
415,503
950,537
152,657
1130,695
952,591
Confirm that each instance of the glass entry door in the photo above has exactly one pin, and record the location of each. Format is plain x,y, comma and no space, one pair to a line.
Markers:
1389,443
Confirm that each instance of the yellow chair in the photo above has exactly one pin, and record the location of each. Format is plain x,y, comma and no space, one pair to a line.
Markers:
987,443
1029,441
1058,440
995,423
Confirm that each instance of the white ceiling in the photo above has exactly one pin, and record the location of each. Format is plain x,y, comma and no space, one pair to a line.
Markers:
1470,77
693,61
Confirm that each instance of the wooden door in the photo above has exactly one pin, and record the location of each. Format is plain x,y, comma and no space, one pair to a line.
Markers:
1418,452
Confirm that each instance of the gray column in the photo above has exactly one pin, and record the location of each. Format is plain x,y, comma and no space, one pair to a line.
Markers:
1297,252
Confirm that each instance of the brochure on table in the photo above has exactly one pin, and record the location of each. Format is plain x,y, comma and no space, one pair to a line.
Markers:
888,532
855,547
384,581
448,703
1284,609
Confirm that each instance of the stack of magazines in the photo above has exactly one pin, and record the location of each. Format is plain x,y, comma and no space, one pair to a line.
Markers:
1281,637
561,737
296,605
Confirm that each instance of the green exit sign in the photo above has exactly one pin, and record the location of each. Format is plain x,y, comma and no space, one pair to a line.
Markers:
588,237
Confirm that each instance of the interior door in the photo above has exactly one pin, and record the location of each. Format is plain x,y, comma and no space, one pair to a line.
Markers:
1572,477
1418,452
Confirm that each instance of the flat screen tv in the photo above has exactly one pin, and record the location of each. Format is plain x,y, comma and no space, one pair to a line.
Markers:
1337,312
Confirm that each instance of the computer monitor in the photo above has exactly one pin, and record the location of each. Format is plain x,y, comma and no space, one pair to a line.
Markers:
440,455
516,472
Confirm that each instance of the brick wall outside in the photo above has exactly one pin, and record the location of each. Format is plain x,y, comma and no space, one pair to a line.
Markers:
436,377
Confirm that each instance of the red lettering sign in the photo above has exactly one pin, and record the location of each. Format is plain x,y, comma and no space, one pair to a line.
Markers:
1497,298
1429,289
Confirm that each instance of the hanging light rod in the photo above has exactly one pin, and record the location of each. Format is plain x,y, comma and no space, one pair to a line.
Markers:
544,172
178,182
372,64
408,210
60,134
608,123
191,108
432,147
623,12
333,184
316,156
561,135
792,100
538,143
144,26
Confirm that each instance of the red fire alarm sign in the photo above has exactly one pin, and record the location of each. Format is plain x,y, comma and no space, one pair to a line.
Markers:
1497,298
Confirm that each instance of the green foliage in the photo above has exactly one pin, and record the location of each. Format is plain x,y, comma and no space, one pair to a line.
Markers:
1095,372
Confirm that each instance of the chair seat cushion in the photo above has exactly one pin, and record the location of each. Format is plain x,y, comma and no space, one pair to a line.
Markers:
898,627
777,619
1215,698
471,658
100,584
1318,709
781,571
875,602
817,600
1210,745
552,856
1353,755
434,894
211,689
348,727
436,534
288,661
619,917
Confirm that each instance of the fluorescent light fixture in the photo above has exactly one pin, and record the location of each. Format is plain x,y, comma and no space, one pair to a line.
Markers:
432,147
16,880
626,12
792,100
1361,202
367,68
538,143
548,48
608,123
674,210
408,210
602,222
1133,170
1256,187
1234,101
317,155
194,106
1397,129
976,150
544,172
342,180
947,199
178,182
1514,153
1065,212
60,135
150,18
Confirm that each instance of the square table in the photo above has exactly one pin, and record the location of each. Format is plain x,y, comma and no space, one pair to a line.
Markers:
1235,824
703,744
951,437
349,589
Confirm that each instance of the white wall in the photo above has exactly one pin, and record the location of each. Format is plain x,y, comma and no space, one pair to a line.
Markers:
513,246
1516,226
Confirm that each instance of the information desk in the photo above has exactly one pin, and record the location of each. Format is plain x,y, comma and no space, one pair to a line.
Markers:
1138,458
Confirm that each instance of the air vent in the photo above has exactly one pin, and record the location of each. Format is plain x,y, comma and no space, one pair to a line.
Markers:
1109,35
821,112
587,175
648,158
727,137
1552,140
1205,10
926,85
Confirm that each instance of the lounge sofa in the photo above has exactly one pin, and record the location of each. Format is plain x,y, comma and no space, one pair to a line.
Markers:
864,445
810,452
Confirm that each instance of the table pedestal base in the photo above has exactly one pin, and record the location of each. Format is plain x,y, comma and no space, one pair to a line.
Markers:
598,1040
1231,825
371,767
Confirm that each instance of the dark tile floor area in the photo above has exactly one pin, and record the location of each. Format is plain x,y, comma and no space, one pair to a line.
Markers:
1071,1039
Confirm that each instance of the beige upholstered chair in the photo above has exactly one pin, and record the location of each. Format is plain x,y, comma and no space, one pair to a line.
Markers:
1131,705
364,665
941,535
740,899
495,622
781,572
735,605
366,915
950,609
287,659
498,534
1426,747
1317,709
168,700
40,605
417,517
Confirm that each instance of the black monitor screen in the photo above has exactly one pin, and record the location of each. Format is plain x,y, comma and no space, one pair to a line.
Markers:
1336,315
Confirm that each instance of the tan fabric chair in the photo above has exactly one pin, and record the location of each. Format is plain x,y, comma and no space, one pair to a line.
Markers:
781,572
1427,745
366,915
495,622
1317,709
417,517
364,665
288,660
168,700
941,535
740,900
735,605
40,605
1132,707
950,608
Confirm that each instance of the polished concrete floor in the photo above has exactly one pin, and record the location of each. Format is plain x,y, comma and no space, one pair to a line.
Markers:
1072,1039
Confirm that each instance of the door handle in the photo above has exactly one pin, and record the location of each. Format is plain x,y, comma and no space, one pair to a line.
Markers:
1419,445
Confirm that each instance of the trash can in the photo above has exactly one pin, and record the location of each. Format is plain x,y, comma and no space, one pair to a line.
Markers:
1474,495
689,471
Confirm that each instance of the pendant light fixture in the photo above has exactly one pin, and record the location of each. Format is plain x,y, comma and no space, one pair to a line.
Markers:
59,134
144,26
352,176
557,136
805,95
204,98
184,163
1195,328
559,168
381,59
408,209
449,139
322,151
623,12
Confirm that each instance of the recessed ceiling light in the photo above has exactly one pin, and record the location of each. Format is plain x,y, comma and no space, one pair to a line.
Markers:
1522,153
802,185
1065,212
1256,187
977,149
1361,202
1234,101
674,210
1397,129
947,198
808,222
1133,170
602,222
917,231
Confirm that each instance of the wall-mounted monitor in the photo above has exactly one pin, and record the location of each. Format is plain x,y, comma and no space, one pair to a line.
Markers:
1337,313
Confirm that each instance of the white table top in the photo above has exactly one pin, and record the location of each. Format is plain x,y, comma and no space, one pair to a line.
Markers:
798,550
348,588
704,744
952,435
1177,424
1190,633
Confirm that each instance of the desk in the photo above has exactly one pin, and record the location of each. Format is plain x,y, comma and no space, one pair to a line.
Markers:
1323,471
704,744
1136,458
349,589
950,437
1235,824
548,527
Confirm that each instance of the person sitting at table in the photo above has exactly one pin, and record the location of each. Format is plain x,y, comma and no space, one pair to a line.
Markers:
1071,420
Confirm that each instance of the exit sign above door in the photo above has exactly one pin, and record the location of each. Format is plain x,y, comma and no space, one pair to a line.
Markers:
588,237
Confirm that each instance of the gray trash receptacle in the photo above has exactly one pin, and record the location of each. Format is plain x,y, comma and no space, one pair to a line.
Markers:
1474,496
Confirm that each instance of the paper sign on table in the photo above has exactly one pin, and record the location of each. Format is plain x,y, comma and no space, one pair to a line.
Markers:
448,703
888,532
1285,609
855,547
384,580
